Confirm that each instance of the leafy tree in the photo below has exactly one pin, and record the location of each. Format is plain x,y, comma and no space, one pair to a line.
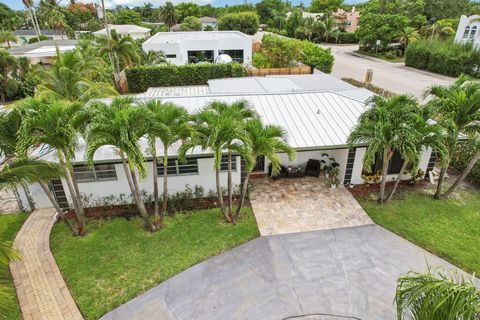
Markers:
71,78
436,295
325,6
53,124
121,125
79,15
246,22
263,140
327,26
457,108
384,128
293,22
169,14
12,76
442,9
127,16
147,12
188,9
170,124
384,27
7,37
191,24
280,53
267,9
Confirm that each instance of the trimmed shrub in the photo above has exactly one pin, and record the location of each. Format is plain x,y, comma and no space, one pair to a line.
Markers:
140,78
344,38
316,57
443,57
246,22
462,157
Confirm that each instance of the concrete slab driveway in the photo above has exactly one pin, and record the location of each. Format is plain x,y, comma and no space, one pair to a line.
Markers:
347,272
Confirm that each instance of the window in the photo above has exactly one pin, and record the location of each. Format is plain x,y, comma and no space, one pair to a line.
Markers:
100,172
224,163
236,55
473,33
394,166
175,167
466,33
170,56
200,56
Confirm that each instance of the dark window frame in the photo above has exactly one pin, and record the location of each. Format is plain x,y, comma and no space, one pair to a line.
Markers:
99,172
224,163
176,168
233,54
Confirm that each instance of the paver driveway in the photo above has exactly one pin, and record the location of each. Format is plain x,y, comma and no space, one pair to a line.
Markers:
349,272
305,204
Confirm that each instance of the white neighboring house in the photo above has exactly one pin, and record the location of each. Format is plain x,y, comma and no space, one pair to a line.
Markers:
468,30
123,30
317,111
42,52
24,35
201,46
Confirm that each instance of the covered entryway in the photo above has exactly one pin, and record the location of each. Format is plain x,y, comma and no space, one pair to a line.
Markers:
303,204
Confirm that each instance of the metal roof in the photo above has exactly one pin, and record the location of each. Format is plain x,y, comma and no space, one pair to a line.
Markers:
123,28
45,48
29,32
156,92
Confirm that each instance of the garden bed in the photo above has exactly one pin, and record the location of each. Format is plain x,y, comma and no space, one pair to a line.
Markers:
368,189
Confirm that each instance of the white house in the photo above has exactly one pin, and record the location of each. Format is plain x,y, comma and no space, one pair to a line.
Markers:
201,46
123,30
24,35
42,52
317,111
468,30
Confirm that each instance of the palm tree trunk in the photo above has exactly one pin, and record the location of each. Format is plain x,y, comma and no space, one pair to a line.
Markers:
242,196
219,193
30,13
399,179
464,173
79,196
147,223
229,184
57,207
36,23
156,213
129,178
165,186
381,197
438,193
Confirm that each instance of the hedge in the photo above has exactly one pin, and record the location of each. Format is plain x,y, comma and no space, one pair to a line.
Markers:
462,157
246,22
140,78
443,57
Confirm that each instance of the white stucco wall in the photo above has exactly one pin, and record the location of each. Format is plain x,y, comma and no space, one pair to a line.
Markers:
472,21
97,190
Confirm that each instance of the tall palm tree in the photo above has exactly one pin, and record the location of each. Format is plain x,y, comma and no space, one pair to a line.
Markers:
71,78
7,36
436,295
33,16
380,127
457,108
328,25
53,124
152,58
170,124
309,26
121,125
265,141
169,14
123,49
423,133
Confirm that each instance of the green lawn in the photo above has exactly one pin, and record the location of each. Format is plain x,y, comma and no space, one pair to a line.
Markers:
9,226
117,260
447,228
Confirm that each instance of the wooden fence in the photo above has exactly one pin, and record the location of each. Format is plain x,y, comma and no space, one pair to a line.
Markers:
259,72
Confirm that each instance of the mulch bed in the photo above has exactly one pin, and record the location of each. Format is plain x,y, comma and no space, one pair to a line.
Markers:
367,189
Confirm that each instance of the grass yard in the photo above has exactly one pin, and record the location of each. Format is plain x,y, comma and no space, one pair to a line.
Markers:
9,226
117,260
448,228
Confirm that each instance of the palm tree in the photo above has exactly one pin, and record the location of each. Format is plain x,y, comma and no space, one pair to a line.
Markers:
265,141
123,49
7,36
380,127
33,16
309,26
121,125
169,14
457,108
71,78
436,295
53,124
423,133
328,26
152,58
170,124
409,35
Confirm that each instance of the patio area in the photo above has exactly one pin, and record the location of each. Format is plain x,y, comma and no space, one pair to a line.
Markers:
303,204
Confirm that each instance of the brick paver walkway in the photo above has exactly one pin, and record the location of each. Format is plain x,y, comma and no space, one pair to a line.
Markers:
41,290
305,204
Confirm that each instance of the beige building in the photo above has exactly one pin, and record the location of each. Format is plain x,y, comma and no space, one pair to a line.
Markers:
350,18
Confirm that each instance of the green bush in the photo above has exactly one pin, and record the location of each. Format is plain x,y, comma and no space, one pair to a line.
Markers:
444,57
36,39
461,159
282,51
261,61
246,22
344,37
140,78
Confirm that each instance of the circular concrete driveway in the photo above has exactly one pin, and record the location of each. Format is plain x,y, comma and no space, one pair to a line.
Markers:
349,272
